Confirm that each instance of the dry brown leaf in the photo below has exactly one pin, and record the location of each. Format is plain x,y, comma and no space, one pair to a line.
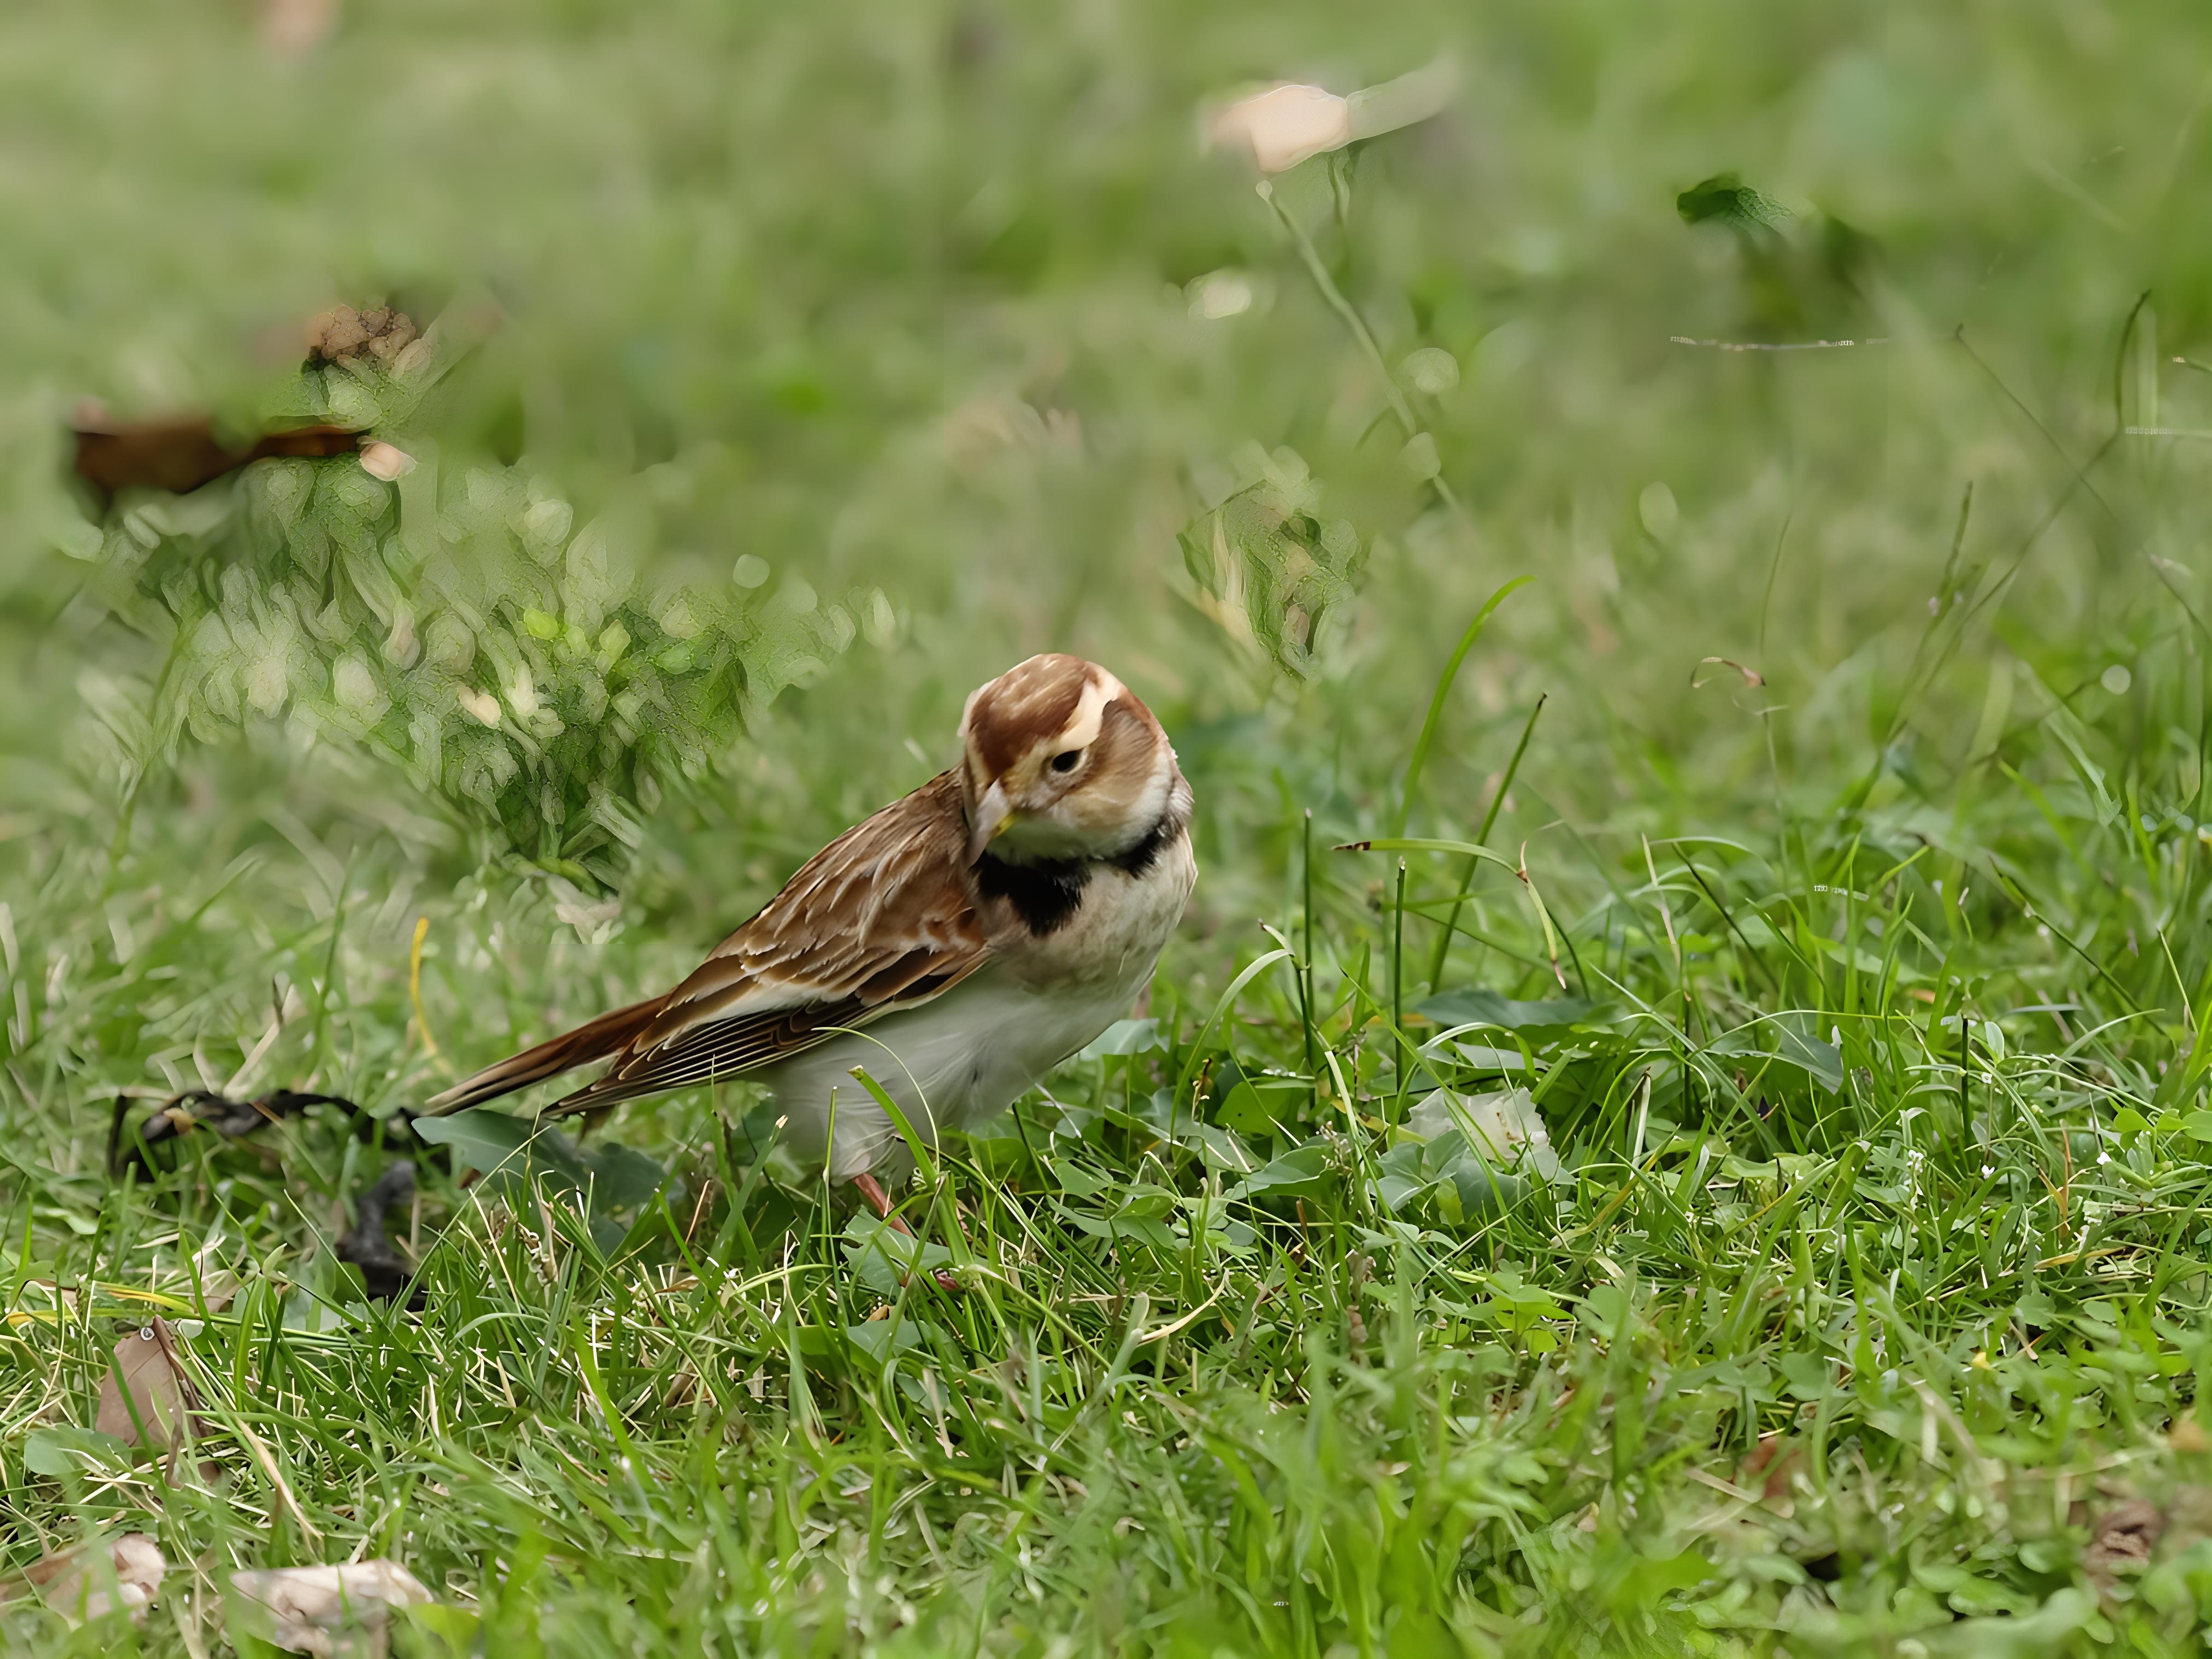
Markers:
77,1584
342,335
293,28
334,1612
1751,675
2123,1539
158,1395
1769,1468
181,453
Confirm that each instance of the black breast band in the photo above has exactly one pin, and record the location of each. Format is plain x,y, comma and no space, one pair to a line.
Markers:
1047,893
1146,853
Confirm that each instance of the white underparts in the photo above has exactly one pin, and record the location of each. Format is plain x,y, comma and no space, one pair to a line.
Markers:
972,1051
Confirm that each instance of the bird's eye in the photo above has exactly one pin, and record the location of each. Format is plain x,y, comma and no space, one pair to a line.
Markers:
1066,760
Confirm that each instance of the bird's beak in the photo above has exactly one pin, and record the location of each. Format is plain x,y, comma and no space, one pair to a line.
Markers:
992,815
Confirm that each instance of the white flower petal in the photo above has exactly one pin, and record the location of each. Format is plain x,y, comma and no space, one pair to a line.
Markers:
1220,293
385,461
1286,124
304,1608
71,1585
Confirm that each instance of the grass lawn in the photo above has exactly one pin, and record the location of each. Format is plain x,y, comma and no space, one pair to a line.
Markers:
1723,1172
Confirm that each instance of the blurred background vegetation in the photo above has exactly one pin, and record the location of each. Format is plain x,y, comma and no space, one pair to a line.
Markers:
793,370
902,300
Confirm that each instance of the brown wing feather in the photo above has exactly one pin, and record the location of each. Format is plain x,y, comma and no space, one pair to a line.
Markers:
610,1034
878,920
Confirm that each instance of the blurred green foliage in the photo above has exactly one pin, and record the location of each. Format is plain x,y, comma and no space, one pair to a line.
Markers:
792,371
903,298
454,621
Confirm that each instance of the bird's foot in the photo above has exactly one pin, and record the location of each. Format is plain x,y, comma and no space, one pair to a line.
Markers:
880,1201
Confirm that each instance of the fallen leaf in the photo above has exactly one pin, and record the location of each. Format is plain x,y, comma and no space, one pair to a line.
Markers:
181,453
329,1612
1776,1460
81,1586
293,28
145,1394
177,454
2123,1539
342,335
1502,1124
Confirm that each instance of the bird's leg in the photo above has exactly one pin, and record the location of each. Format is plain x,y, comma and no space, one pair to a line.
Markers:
880,1201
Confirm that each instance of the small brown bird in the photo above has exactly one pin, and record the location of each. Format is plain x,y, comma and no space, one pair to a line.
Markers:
958,945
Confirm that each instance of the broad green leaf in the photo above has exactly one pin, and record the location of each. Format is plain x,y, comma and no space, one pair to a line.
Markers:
1125,1037
1725,199
1468,1007
1303,1172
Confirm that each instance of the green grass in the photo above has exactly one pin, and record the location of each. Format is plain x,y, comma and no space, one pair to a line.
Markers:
1844,919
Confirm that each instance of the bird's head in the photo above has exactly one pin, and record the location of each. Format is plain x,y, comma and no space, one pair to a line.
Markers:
1059,760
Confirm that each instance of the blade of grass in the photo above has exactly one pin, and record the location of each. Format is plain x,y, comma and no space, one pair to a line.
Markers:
1434,718
1482,839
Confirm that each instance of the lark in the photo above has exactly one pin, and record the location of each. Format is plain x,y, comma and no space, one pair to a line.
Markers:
957,945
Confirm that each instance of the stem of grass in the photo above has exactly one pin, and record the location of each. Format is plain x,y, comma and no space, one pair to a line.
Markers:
1482,839
1334,296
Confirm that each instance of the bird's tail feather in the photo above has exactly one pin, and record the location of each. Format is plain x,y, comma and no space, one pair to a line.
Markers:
600,1039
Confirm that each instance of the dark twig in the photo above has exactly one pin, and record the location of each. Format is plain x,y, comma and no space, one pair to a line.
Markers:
203,1108
384,1272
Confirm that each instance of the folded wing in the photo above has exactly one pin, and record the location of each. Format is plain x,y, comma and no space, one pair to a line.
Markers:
879,921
